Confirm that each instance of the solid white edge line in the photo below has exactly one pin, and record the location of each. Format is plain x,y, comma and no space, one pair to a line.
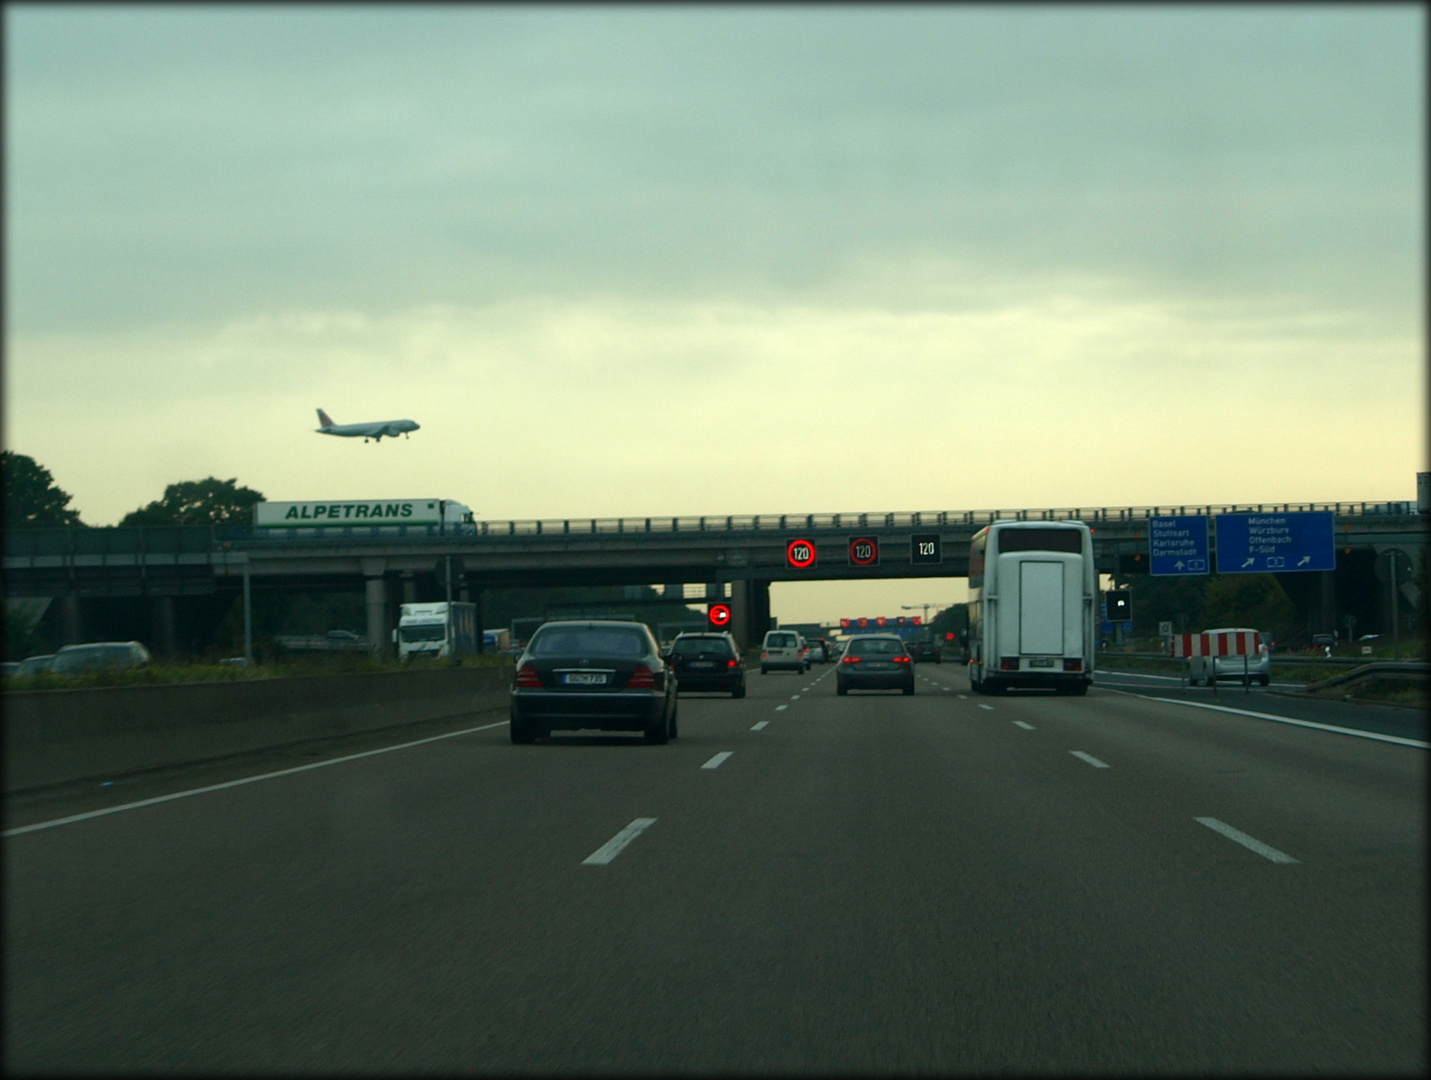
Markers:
763,723
1249,842
612,848
1397,739
236,783
1090,759
719,760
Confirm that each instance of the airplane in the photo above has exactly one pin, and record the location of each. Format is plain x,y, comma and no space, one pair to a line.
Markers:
391,428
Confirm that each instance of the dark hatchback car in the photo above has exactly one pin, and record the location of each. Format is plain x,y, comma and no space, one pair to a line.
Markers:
875,662
707,662
603,674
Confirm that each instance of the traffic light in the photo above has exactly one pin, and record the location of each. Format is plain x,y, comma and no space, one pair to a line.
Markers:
718,616
1120,605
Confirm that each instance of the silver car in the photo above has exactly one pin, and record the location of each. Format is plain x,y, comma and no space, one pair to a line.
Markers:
1205,670
99,656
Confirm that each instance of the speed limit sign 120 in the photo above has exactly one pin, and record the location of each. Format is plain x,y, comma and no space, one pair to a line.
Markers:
864,551
800,553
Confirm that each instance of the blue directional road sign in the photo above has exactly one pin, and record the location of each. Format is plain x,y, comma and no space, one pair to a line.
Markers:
1178,545
1276,543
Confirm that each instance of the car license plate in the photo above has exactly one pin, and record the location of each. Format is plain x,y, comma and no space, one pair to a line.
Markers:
876,665
1041,662
584,678
702,663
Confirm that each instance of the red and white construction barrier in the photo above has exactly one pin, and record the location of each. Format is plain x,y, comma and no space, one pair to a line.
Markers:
1225,643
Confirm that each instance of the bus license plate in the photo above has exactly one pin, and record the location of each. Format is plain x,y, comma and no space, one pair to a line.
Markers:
584,678
1042,662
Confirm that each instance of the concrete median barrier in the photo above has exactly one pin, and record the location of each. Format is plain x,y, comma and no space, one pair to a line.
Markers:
55,737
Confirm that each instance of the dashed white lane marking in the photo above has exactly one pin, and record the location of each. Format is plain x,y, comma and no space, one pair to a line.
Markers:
983,706
763,723
1090,759
717,761
1249,842
612,848
946,690
1026,727
794,697
962,697
781,708
245,780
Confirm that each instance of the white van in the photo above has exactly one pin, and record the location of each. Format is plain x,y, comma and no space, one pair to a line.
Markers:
783,650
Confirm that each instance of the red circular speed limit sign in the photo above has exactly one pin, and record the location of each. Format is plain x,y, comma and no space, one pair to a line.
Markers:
800,554
719,615
864,551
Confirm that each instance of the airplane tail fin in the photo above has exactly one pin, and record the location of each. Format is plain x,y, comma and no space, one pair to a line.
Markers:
324,419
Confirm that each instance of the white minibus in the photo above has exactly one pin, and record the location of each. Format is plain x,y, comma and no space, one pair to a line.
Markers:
1032,592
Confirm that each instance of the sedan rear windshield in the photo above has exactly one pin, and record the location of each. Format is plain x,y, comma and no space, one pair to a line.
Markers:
875,647
707,647
589,641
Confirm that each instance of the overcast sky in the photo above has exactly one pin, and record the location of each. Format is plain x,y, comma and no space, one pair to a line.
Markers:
675,260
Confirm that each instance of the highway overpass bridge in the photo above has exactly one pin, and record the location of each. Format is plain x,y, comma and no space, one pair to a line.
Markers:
188,573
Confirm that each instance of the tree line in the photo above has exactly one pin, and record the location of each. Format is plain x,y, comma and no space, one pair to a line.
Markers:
33,500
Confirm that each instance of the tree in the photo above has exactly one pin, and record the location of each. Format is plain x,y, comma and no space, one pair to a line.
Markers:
31,498
198,502
1253,600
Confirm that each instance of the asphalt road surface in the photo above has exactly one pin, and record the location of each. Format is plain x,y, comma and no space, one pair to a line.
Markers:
800,883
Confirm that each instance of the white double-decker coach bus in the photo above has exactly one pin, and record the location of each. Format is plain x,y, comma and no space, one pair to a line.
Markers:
1032,592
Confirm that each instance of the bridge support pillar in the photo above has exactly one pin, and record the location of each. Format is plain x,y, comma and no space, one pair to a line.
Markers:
749,611
163,615
409,587
378,629
71,624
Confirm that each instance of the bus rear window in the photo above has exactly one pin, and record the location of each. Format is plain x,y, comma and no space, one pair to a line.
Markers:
1069,540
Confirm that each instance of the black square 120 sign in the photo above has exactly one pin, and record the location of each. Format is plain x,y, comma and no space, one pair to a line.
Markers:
925,548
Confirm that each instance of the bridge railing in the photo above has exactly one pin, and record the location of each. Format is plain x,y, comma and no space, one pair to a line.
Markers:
192,539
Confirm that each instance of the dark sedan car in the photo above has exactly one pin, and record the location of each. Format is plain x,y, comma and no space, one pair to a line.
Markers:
921,650
875,662
707,662
597,674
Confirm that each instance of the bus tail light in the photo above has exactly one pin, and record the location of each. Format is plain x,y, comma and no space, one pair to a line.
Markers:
1008,663
1072,665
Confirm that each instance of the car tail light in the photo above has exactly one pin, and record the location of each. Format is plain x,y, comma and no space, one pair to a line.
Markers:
730,662
641,679
850,660
1008,663
901,659
1072,665
528,676
765,656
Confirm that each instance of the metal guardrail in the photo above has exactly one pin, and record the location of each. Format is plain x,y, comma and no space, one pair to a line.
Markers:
194,539
1332,661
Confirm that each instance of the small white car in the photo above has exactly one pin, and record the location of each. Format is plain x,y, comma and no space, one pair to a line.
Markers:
783,650
1205,670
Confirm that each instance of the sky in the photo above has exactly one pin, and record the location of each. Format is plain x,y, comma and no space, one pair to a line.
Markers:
648,261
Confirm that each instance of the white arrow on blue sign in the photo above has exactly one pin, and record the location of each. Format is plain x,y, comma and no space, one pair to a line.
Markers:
1276,543
1177,545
